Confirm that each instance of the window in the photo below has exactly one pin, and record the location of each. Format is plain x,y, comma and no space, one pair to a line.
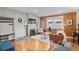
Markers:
49,23
55,22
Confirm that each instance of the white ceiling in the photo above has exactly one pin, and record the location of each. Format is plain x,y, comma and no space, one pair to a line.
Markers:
44,11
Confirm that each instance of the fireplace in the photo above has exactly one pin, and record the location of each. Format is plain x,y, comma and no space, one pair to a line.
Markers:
32,32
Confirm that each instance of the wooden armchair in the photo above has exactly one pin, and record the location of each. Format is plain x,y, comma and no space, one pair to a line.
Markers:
55,38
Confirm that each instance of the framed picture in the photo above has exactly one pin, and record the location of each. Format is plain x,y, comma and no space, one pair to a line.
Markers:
69,22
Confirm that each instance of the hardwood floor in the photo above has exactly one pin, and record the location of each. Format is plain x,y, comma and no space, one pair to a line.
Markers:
32,45
74,46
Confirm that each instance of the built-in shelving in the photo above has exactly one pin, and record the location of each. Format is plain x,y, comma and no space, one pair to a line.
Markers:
31,21
6,27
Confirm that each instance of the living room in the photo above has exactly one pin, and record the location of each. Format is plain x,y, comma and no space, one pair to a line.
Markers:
39,28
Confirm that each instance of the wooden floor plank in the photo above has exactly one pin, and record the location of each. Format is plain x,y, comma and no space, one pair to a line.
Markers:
32,45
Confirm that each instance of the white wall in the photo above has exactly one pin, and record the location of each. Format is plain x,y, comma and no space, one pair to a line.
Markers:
33,26
7,26
18,27
0,11
35,17
77,22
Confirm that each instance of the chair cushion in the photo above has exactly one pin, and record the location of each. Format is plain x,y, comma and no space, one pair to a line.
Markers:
56,38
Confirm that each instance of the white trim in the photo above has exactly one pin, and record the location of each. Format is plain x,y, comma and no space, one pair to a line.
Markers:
77,12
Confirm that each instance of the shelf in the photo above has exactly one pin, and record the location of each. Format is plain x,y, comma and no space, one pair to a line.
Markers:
31,21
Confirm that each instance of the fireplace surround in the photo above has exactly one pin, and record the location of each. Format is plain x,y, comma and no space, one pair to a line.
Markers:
32,32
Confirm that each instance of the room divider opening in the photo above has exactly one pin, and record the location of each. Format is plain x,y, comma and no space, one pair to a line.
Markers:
6,28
